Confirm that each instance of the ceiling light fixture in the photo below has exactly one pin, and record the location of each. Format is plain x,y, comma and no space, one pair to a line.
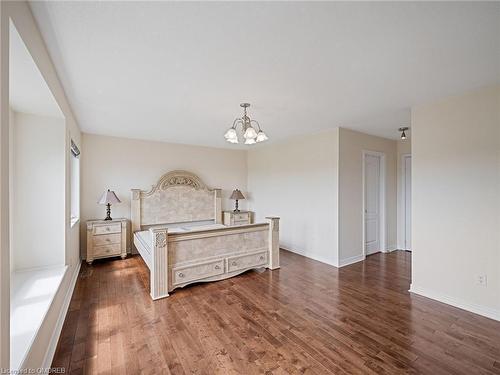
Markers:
251,134
403,130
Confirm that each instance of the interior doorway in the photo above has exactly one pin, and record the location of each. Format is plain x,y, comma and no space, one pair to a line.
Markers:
406,165
373,202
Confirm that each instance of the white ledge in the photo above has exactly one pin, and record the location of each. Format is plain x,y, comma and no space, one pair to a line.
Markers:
32,292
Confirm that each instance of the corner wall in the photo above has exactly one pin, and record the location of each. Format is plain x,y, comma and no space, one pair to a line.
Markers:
297,180
456,201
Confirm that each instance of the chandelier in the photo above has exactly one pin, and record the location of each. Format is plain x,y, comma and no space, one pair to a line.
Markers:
251,133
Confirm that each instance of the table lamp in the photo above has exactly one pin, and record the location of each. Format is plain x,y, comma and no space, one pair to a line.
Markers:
108,198
237,195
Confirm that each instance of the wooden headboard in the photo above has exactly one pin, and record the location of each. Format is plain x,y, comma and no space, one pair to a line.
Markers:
177,197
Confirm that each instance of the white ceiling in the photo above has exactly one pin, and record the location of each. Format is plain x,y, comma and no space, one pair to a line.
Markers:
177,71
28,91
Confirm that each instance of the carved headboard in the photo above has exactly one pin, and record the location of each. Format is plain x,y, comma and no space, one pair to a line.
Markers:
177,197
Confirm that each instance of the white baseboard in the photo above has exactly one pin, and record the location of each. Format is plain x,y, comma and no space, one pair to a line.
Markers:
351,260
311,256
341,262
51,349
390,249
456,302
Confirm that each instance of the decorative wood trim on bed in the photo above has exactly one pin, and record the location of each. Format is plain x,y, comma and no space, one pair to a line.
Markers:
201,254
178,196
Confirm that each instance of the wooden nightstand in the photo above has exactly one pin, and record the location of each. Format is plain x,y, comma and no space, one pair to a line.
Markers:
106,239
237,218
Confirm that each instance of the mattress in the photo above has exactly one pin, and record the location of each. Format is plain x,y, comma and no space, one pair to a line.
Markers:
142,239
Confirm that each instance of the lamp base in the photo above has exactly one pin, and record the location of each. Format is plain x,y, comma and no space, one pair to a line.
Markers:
236,207
108,212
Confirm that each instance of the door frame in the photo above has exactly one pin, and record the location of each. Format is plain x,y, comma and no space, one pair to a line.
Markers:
382,192
403,199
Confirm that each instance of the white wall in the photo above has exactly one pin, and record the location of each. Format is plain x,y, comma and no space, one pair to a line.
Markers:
403,148
314,183
351,146
297,181
4,190
121,164
37,215
44,344
456,200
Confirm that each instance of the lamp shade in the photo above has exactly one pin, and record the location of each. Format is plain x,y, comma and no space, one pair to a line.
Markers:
237,195
231,134
261,137
109,197
250,133
250,141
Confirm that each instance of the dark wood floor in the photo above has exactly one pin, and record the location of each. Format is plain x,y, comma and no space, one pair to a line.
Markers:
306,317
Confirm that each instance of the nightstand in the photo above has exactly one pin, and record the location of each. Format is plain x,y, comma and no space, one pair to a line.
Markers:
237,218
106,238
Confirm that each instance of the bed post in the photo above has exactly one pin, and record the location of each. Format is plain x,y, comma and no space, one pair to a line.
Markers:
135,210
274,242
218,206
159,263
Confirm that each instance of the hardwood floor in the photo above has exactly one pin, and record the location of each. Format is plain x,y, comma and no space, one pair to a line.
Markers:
307,317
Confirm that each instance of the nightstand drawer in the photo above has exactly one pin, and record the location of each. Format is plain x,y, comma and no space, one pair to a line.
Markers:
241,217
107,239
107,229
237,218
107,250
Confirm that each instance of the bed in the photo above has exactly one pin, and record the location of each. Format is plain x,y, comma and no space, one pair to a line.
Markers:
178,232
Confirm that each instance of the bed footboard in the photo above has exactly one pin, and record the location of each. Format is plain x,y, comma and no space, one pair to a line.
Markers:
180,259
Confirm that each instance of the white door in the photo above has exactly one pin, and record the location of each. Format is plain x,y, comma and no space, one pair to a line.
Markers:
407,192
372,203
